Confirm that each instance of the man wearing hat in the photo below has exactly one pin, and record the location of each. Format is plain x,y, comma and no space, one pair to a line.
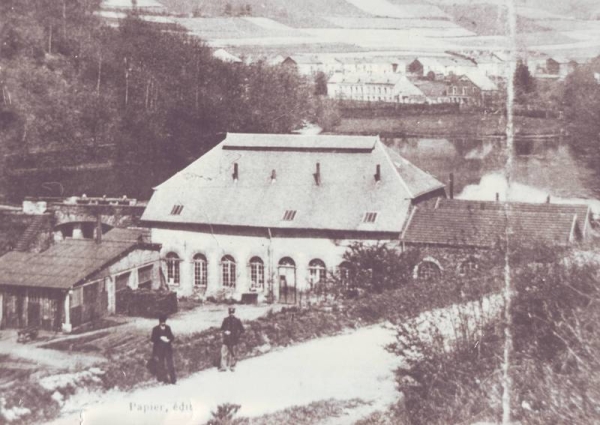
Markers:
162,351
232,329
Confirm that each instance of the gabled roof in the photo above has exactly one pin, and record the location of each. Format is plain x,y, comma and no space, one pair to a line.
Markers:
345,191
481,81
432,88
461,223
67,263
304,59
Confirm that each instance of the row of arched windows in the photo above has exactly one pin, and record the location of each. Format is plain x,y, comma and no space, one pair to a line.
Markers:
316,269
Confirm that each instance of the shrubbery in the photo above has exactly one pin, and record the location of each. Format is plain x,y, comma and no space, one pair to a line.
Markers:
553,362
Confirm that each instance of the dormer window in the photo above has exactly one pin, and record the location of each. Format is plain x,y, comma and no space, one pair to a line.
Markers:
289,215
370,217
176,210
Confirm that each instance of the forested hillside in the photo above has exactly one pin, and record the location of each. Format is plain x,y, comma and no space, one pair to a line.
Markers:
134,102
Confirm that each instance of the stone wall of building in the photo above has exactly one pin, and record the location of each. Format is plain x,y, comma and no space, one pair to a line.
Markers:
214,246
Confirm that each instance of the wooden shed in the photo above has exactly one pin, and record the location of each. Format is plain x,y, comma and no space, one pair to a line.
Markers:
74,282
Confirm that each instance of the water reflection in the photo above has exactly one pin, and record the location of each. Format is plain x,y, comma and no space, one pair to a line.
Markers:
544,166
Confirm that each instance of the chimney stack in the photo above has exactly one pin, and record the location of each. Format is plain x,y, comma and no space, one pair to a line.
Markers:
235,172
273,176
497,196
378,173
451,186
548,199
317,175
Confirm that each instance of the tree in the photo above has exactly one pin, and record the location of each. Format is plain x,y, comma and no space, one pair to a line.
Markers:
523,82
321,84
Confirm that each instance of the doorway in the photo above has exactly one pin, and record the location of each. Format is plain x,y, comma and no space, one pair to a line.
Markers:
287,281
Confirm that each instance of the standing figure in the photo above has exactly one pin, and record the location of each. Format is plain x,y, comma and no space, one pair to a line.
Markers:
232,330
162,350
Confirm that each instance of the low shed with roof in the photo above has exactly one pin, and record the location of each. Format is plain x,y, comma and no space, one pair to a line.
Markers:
273,214
75,281
453,235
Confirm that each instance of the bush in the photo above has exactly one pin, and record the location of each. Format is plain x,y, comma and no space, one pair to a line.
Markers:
145,302
378,267
554,366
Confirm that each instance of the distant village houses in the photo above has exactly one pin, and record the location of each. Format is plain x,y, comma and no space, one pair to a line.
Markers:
473,88
392,88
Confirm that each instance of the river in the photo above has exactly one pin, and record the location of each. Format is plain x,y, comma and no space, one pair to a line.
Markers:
538,169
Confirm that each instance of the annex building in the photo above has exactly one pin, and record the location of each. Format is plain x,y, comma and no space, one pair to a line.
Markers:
273,214
75,281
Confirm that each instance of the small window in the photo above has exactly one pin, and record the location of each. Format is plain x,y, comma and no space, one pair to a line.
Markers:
257,273
228,271
76,297
176,210
316,269
122,281
370,217
173,277
200,270
344,272
289,215
145,277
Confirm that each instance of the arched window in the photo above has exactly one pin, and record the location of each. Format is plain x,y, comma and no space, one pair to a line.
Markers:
344,270
200,270
257,273
428,270
173,268
287,262
468,267
228,271
316,270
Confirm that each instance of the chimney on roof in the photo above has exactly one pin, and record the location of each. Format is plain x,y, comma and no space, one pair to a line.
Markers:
273,176
235,174
378,173
548,199
317,175
98,235
451,189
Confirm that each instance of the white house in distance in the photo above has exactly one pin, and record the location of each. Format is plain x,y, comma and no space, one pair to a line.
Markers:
225,56
273,214
394,88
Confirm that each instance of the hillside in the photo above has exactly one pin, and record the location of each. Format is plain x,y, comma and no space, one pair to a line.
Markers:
87,108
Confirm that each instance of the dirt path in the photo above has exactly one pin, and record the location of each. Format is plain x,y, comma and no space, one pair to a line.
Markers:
343,367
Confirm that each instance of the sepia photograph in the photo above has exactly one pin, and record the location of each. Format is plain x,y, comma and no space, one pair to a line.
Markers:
299,212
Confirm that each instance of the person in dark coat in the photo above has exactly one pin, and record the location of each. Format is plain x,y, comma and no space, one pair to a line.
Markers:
232,329
162,351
